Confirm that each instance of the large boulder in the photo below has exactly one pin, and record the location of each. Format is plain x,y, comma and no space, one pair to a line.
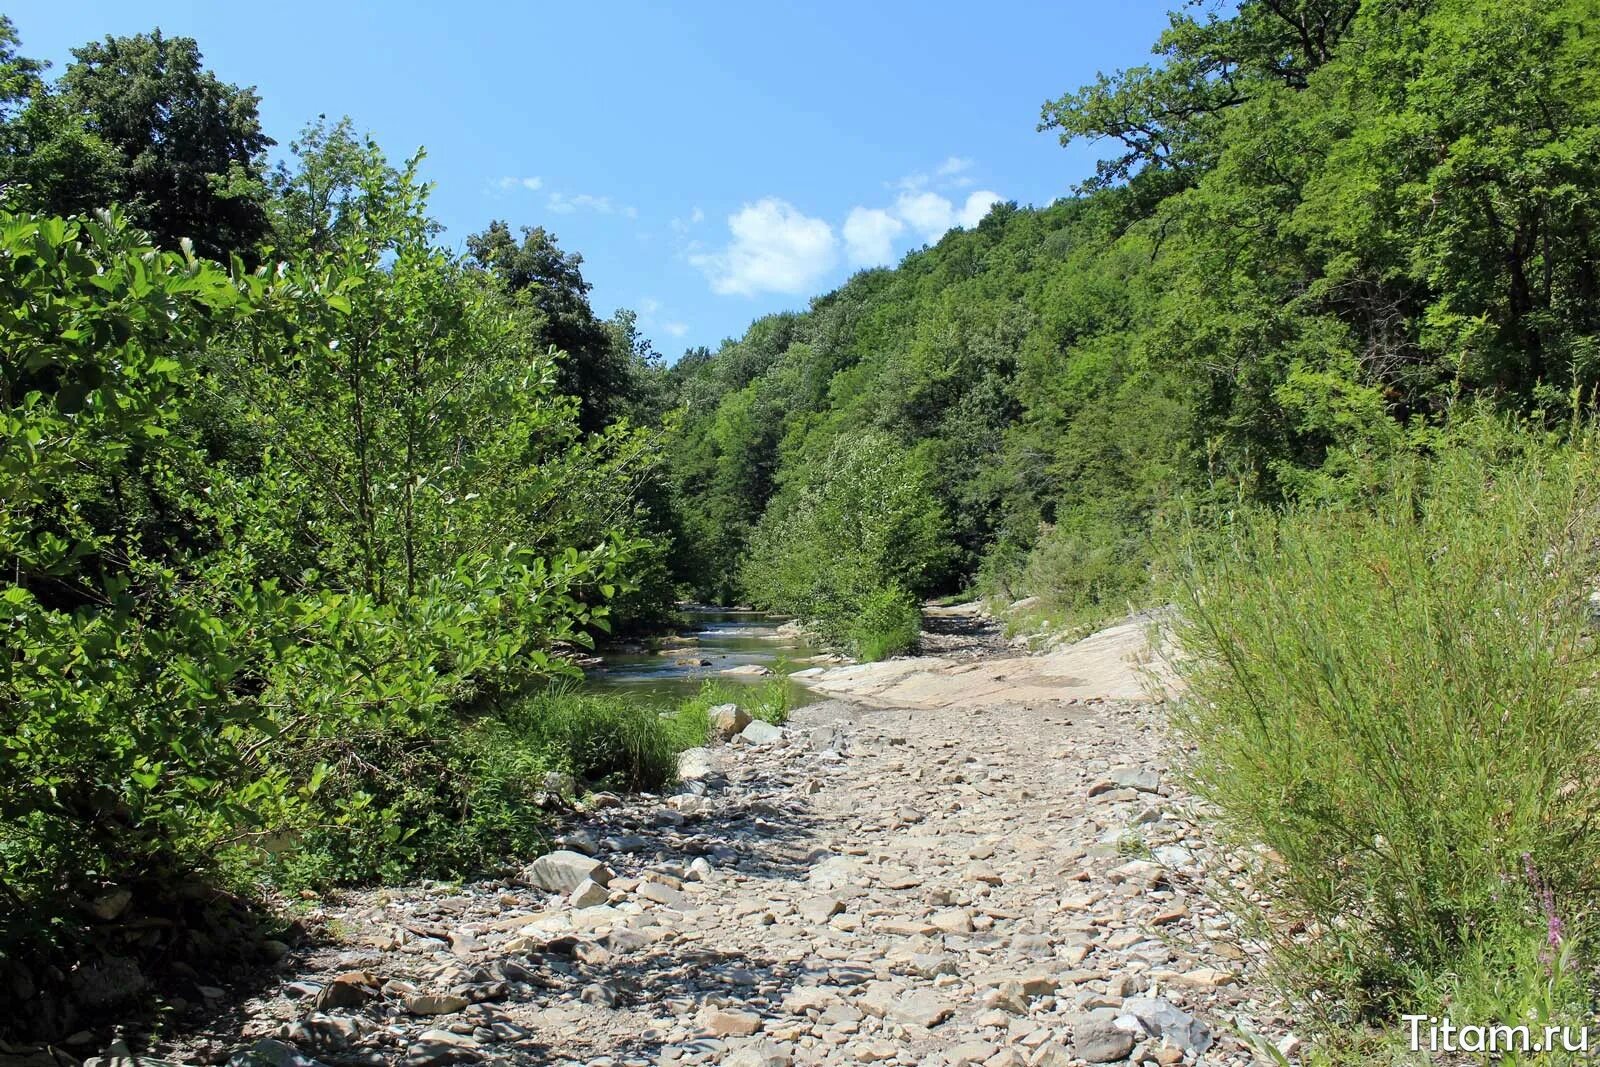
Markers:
748,670
695,763
728,719
563,871
761,733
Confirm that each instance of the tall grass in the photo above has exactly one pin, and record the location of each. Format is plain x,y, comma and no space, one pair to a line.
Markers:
601,740
767,701
1397,700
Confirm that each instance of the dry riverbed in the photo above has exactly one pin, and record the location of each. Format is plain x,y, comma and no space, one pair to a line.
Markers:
1013,885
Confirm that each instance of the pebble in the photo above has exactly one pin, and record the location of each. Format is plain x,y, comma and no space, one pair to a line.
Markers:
867,886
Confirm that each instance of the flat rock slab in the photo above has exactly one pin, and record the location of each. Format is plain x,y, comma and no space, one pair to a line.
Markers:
1117,663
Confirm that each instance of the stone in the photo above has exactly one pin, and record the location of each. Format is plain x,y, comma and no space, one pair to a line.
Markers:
563,871
1143,779
729,1022
662,893
349,990
695,764
111,904
270,1052
1161,1018
761,733
820,909
728,719
579,840
760,1054
435,1004
748,670
1100,1040
923,1008
952,921
434,1047
600,994
588,894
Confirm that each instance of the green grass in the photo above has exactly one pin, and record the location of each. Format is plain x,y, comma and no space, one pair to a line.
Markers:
1396,698
767,701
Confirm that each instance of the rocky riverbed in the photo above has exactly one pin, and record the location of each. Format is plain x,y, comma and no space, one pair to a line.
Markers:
1017,886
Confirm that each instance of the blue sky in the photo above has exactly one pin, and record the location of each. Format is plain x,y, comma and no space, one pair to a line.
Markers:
712,161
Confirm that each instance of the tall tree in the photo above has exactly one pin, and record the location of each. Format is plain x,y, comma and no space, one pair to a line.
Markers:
552,281
186,148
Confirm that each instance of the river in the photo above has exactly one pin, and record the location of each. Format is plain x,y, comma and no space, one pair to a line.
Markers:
712,640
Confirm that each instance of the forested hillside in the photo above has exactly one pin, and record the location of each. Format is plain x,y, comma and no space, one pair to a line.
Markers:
305,517
1319,225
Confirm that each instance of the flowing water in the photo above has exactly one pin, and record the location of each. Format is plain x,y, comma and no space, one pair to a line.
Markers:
713,640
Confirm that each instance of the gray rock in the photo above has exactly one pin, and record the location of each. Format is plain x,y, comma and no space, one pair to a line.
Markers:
564,871
1144,779
761,733
271,1053
748,670
695,763
579,840
820,909
588,894
1099,1039
600,994
761,1054
118,1054
923,1008
1164,1019
728,719
435,1047
432,1004
662,893
110,904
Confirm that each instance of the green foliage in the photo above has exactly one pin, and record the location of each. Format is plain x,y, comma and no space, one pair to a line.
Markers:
247,517
767,701
139,122
854,547
1398,699
606,742
888,623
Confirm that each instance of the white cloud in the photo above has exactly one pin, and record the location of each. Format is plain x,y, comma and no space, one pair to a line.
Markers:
869,235
697,216
952,166
929,214
530,183
562,204
775,249
977,206
649,306
675,329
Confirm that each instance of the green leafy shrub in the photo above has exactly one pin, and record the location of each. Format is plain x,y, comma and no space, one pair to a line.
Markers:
889,623
862,539
247,518
1398,698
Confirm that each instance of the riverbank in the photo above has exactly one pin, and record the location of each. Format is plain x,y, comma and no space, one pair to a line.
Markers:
858,887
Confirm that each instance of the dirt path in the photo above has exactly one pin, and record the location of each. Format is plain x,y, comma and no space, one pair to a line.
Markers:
1012,886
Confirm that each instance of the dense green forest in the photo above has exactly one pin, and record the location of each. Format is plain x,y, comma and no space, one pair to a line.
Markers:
301,513
1321,224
